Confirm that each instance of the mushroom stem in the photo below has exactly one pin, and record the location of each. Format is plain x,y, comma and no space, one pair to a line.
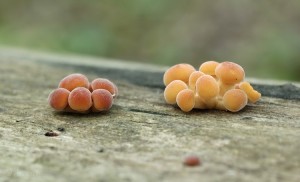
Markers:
199,103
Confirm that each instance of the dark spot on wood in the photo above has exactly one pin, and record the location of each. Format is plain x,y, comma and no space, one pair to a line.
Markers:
100,150
51,134
61,129
247,118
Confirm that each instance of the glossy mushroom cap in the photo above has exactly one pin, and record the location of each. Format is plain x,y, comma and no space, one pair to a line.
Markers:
234,100
253,95
58,99
186,100
73,81
178,72
80,99
209,67
173,89
207,87
230,73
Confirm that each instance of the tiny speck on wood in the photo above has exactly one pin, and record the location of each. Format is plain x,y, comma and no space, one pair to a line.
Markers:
51,134
192,161
61,129
101,150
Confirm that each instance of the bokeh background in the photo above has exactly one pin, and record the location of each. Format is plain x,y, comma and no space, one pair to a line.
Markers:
263,36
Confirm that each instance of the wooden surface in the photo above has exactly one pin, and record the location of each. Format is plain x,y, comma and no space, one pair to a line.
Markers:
141,138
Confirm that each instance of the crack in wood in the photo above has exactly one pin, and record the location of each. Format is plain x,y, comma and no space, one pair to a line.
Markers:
149,112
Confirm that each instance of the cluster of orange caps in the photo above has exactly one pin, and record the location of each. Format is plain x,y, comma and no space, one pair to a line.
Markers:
214,86
76,94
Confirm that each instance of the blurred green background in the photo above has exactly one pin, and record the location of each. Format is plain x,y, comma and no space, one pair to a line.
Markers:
263,36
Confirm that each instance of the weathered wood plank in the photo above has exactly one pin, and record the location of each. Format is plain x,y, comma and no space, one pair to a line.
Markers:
141,138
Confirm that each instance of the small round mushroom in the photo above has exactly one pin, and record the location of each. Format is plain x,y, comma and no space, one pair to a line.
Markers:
173,89
209,67
253,95
102,83
230,73
73,81
58,99
186,100
193,79
207,87
102,100
178,72
234,100
80,99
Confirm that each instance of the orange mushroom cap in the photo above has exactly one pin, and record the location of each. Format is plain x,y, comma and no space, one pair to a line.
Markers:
230,73
209,67
102,100
253,95
58,98
102,83
80,99
207,87
173,89
186,100
193,79
178,72
234,100
73,81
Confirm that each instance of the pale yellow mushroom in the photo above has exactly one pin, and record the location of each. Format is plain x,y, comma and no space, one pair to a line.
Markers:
186,100
178,72
173,89
207,87
234,100
253,95
229,74
193,79
209,67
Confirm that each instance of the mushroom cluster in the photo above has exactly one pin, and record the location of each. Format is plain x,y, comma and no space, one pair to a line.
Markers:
214,86
76,94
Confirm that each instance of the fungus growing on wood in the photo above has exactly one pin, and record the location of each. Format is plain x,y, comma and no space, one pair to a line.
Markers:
215,86
73,81
102,83
102,100
173,89
230,73
235,100
80,99
185,99
207,87
178,72
193,79
252,94
76,94
209,67
58,99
